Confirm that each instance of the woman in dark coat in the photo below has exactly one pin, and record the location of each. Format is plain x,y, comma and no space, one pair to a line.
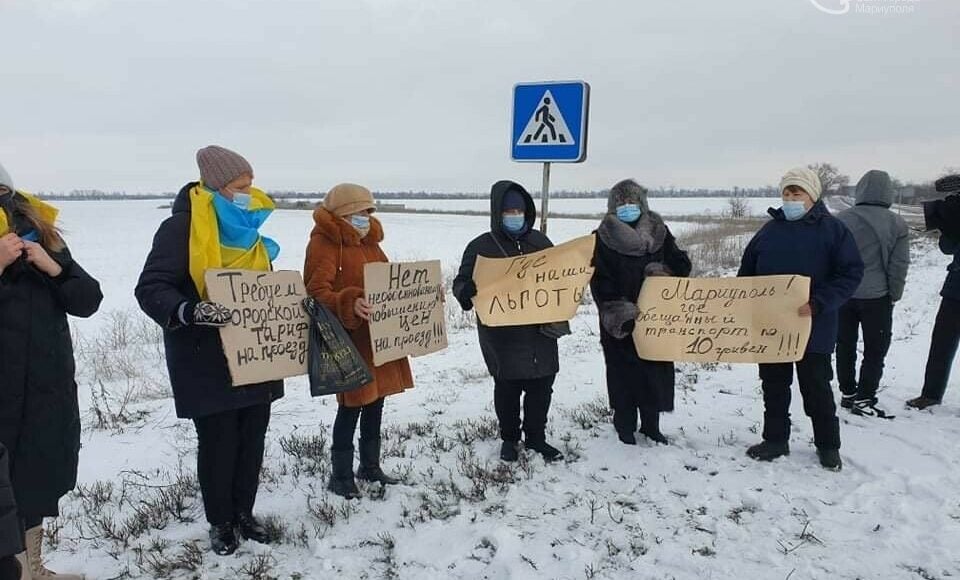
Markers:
40,285
632,243
803,238
214,225
522,360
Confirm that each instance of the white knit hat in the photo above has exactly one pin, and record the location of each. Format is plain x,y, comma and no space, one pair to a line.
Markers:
804,178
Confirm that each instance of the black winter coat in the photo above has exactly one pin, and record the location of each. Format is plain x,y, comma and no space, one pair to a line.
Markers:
618,276
510,352
195,360
39,412
11,541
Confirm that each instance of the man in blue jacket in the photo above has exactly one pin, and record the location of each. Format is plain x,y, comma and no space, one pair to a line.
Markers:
803,238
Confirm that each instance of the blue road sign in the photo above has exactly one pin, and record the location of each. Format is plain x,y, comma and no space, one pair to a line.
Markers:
550,122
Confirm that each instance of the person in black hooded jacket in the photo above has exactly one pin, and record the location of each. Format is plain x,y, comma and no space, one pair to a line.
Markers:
521,359
632,244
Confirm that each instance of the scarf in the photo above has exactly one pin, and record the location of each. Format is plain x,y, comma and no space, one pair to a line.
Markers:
645,237
47,213
223,235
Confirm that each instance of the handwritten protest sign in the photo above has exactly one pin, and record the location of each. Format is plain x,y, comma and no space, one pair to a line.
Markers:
408,316
537,288
736,320
267,337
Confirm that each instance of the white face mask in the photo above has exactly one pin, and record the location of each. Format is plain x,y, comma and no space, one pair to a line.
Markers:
361,223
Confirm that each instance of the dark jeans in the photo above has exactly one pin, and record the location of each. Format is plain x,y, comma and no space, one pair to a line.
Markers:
345,425
536,405
875,315
229,457
943,347
814,373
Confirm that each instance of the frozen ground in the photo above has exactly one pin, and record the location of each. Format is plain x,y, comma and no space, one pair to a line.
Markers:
695,509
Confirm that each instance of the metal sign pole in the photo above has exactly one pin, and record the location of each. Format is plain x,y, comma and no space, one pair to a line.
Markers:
544,198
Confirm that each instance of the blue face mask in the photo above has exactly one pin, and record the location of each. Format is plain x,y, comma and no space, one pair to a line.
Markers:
514,223
360,221
628,212
793,210
241,200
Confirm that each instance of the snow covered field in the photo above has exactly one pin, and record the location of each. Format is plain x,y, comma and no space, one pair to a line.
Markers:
698,508
662,205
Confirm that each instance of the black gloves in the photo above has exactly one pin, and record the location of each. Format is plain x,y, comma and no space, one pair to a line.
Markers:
466,294
628,327
555,330
204,314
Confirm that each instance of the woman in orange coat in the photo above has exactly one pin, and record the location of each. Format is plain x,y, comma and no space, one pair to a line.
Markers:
344,238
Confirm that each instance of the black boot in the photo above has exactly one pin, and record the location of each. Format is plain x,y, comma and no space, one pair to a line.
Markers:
251,529
223,541
370,463
768,450
650,427
341,476
549,452
627,437
922,402
508,451
830,459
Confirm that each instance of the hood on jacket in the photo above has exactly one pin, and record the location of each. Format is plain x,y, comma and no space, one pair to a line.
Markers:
341,232
816,212
181,204
875,188
497,193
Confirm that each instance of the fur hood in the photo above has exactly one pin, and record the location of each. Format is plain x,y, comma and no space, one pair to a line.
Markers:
645,237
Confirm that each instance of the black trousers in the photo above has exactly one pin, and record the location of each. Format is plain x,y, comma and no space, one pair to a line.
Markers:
345,425
814,373
536,404
875,316
229,457
943,347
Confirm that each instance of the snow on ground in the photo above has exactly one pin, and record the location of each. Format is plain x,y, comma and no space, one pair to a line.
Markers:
697,508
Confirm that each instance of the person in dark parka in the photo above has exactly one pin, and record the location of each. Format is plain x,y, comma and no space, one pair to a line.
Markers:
231,422
884,243
943,215
803,238
11,535
632,244
40,284
521,359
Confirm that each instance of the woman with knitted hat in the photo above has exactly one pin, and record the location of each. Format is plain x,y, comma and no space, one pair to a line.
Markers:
215,224
344,238
804,239
40,284
632,244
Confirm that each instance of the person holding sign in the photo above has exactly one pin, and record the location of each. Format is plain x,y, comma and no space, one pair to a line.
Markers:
215,224
632,244
803,238
40,285
344,238
521,359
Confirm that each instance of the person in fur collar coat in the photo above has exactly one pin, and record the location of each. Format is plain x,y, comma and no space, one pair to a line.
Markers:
632,244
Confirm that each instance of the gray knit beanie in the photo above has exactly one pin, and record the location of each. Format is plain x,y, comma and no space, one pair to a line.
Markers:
627,191
219,166
5,178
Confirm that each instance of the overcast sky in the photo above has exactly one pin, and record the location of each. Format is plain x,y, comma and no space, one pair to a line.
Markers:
416,94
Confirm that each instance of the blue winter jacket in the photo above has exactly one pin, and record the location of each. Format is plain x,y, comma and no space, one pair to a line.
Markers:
817,245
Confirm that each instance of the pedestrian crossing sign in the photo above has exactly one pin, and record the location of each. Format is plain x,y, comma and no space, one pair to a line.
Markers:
550,122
